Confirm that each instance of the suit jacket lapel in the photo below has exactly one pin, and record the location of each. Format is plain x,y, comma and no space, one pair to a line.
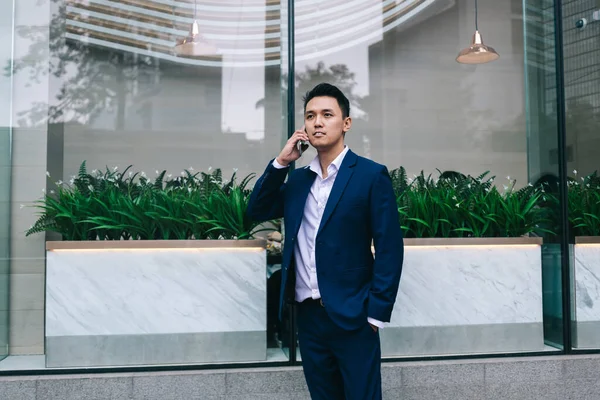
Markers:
341,180
299,198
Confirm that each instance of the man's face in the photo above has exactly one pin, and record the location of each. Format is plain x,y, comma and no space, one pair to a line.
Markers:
324,123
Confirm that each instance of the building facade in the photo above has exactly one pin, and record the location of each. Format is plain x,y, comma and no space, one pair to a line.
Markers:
495,167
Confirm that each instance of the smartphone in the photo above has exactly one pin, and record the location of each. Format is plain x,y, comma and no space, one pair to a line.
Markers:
302,145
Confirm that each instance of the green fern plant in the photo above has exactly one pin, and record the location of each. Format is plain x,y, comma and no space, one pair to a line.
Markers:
456,205
113,205
584,205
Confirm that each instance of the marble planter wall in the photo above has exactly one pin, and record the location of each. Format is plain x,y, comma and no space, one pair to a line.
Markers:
586,293
467,296
165,302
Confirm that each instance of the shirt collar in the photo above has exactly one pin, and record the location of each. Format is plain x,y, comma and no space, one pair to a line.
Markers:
315,166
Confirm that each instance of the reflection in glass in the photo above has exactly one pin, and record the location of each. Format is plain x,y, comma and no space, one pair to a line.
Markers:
6,21
115,93
5,174
582,96
117,88
543,168
281,330
120,96
442,127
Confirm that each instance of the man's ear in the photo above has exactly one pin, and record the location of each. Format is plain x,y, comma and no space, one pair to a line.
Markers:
347,124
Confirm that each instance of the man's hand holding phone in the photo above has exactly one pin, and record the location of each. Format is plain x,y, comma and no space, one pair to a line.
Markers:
294,147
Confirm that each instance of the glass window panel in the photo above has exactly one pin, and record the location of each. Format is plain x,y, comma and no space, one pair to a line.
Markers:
24,83
102,83
6,32
415,107
543,159
582,102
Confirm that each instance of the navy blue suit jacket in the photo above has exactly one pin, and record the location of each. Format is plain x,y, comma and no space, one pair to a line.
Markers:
361,208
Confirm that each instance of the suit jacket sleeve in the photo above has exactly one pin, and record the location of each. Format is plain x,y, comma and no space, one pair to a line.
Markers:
389,248
266,200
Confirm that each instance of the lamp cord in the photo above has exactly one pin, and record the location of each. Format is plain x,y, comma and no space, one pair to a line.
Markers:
476,27
195,8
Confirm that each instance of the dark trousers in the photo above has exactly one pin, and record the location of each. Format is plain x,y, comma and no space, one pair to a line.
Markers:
338,364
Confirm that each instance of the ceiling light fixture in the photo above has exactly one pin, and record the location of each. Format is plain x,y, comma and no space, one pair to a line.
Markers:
194,44
477,53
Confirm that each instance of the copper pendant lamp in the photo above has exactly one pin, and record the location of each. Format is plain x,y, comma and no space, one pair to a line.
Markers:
194,44
477,53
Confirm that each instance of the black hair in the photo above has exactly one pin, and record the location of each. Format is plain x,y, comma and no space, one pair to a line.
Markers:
328,90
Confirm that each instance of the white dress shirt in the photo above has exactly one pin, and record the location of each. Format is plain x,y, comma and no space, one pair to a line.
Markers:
304,251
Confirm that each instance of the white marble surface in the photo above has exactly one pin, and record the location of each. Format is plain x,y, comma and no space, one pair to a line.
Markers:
122,292
469,285
587,282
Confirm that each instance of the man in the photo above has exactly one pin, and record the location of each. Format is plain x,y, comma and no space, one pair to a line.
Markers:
333,210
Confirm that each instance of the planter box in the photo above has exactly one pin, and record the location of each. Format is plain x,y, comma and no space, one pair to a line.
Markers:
586,283
115,303
467,296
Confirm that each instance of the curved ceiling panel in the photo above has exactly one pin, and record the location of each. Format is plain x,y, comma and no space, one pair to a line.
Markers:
246,33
